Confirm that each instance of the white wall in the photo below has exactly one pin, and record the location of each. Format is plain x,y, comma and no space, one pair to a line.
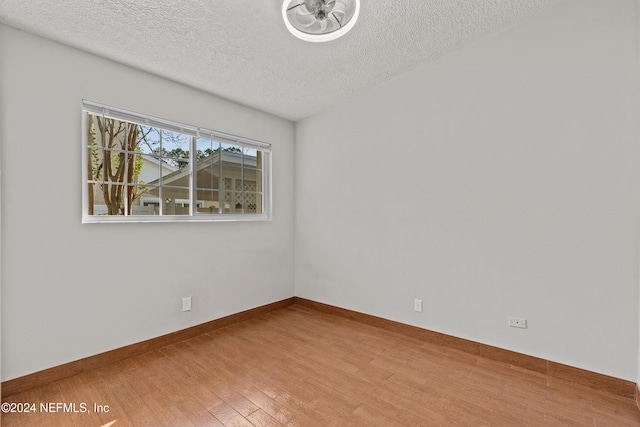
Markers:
501,180
71,290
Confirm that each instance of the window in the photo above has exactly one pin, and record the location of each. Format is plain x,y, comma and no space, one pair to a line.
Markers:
141,168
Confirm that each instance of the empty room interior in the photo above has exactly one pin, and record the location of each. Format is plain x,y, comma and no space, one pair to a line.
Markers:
320,212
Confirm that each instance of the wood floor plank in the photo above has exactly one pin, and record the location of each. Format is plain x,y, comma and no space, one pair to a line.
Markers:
470,414
73,392
129,402
23,419
229,416
54,415
110,409
373,416
198,415
261,419
299,367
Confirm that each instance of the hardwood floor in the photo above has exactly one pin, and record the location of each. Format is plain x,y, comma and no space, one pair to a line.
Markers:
299,367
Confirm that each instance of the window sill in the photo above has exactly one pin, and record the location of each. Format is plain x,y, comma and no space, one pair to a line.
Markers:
174,218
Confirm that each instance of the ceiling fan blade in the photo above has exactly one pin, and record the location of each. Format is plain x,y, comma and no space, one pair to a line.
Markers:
305,19
295,6
332,25
314,27
339,5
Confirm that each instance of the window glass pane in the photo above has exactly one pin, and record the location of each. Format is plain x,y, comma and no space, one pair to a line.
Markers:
176,173
113,166
135,163
96,205
174,164
142,201
94,167
149,169
152,197
250,157
206,147
91,130
110,167
231,154
207,201
259,157
252,203
175,145
231,148
249,152
232,202
207,150
166,170
104,165
107,199
149,140
176,201
207,175
252,180
111,133
233,174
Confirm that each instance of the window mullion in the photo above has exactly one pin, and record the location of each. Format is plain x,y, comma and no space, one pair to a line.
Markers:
125,178
242,186
160,181
221,179
193,209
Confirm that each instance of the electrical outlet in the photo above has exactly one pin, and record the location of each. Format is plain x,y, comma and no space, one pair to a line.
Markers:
517,322
186,304
417,305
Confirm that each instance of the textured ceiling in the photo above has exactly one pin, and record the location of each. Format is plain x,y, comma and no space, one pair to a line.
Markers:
241,50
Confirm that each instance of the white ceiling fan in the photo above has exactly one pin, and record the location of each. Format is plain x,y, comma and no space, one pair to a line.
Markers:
320,20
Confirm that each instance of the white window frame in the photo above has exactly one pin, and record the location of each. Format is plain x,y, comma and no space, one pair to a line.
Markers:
194,133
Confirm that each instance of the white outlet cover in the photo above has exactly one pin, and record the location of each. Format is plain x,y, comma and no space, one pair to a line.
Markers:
518,322
417,306
186,304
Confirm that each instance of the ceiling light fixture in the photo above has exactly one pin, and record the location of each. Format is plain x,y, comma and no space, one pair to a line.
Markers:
320,20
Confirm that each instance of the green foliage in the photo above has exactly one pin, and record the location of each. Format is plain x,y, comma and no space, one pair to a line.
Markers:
96,161
179,158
